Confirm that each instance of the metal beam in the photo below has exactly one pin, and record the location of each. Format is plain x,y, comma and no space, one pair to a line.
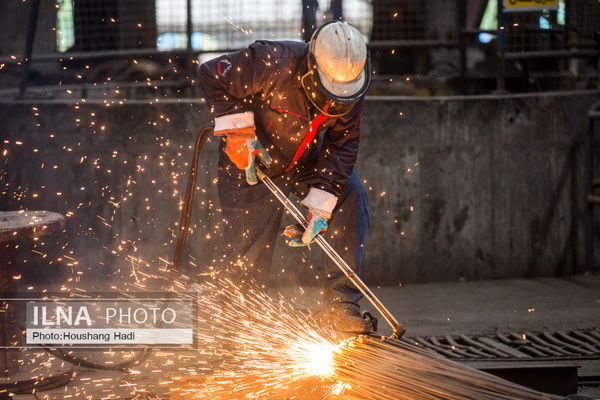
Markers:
32,28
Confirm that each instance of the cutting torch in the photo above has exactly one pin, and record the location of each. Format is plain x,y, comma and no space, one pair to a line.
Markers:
398,330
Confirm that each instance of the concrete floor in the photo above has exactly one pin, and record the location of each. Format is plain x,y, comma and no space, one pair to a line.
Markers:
425,309
488,306
448,308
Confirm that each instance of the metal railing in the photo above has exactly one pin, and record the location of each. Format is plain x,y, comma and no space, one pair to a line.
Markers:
92,31
571,31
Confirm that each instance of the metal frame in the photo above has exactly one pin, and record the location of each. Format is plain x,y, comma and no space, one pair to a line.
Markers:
309,24
504,55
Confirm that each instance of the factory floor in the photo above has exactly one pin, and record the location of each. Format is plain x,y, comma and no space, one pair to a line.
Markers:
517,305
488,306
430,309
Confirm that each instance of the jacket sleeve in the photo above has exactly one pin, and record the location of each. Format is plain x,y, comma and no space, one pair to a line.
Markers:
339,152
229,81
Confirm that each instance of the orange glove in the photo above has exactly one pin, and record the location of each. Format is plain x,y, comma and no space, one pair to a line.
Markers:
236,146
242,148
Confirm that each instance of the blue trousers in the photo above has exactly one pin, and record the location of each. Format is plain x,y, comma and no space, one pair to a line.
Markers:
252,218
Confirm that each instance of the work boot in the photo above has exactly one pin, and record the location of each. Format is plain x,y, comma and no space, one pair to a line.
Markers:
346,319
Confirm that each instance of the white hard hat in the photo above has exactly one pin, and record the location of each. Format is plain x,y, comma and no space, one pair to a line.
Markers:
340,53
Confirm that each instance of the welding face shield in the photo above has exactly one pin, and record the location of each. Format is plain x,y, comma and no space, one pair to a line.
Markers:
339,68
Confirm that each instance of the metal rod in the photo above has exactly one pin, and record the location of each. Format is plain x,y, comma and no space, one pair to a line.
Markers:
337,9
309,18
33,17
398,330
384,44
462,38
517,55
151,52
189,29
144,52
500,49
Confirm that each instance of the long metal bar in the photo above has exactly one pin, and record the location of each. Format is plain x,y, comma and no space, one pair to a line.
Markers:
309,19
517,55
33,17
337,9
189,30
398,330
461,6
500,49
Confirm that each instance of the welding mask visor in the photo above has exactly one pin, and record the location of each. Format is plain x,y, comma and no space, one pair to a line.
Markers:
327,102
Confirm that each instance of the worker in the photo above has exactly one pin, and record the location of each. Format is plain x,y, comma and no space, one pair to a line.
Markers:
295,108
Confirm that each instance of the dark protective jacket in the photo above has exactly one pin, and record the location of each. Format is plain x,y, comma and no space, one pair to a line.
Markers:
265,79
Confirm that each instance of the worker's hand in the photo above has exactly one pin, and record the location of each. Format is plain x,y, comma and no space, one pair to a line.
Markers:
242,150
242,146
320,204
301,237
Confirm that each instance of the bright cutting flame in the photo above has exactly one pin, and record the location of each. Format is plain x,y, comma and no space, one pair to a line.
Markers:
319,359
265,346
261,347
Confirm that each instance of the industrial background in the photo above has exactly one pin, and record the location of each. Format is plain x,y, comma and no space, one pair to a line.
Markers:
480,139
477,145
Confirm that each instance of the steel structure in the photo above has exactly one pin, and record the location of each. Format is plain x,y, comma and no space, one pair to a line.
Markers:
404,35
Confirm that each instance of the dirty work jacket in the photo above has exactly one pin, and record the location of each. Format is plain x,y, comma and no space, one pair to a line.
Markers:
265,78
